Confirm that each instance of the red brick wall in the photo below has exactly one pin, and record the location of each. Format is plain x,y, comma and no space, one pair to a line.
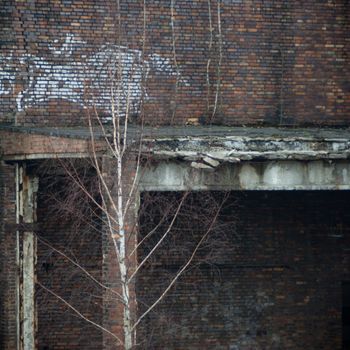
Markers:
7,257
282,62
276,283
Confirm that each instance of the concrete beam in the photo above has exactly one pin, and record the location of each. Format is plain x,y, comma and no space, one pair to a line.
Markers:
174,175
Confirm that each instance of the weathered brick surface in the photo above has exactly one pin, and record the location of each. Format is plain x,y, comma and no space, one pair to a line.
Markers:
275,285
14,144
276,282
281,62
8,265
267,62
59,327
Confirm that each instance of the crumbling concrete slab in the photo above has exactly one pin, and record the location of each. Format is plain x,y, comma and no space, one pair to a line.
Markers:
268,175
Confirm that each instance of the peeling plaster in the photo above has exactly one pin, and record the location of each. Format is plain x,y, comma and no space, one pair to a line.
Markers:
288,173
248,176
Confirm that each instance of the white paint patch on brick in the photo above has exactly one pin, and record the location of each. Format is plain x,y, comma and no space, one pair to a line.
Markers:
112,69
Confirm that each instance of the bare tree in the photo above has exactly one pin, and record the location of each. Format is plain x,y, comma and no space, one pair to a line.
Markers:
181,233
106,191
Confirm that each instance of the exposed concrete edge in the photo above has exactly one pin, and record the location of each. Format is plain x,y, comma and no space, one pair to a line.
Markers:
181,133
234,157
50,132
235,149
248,138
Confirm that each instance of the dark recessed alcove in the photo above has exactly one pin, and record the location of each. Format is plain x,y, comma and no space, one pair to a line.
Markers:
66,223
273,279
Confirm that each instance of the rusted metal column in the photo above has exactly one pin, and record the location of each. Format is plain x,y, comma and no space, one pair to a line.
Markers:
27,187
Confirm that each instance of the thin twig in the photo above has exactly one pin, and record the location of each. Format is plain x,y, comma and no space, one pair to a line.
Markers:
79,313
180,272
161,239
173,35
209,54
218,82
78,266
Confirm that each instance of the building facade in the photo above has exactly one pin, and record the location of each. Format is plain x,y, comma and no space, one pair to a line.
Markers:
243,100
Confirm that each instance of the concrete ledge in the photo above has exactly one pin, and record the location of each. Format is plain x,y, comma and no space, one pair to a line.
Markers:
236,148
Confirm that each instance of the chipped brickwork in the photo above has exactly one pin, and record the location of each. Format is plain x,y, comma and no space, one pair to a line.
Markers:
264,62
